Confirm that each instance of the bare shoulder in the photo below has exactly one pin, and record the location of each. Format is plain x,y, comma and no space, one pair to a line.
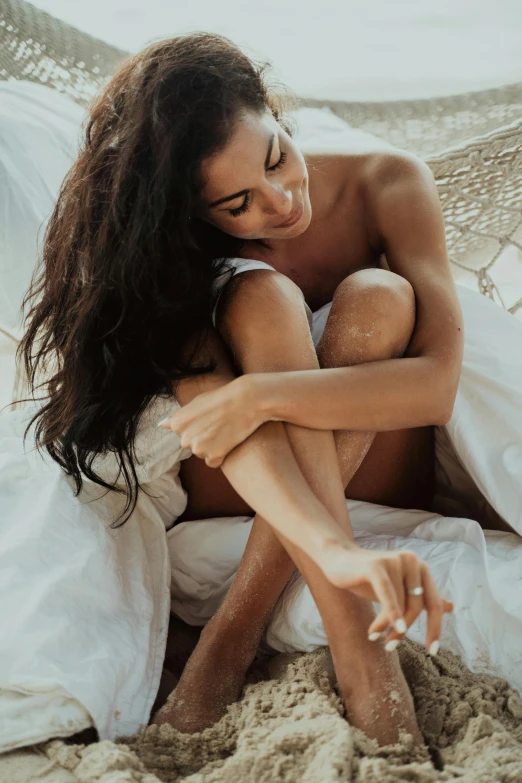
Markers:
349,155
391,181
395,167
366,167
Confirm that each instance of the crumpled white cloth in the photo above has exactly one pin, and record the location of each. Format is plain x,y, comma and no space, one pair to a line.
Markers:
480,571
85,607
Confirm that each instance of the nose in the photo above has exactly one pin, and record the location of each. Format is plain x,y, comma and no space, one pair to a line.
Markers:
281,202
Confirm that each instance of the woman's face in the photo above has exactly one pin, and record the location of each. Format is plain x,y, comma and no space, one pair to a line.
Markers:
256,183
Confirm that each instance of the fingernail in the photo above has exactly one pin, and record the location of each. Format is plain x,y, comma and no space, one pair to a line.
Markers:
400,625
391,646
434,648
163,421
374,636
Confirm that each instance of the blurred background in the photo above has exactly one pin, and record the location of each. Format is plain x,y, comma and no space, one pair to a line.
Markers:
335,49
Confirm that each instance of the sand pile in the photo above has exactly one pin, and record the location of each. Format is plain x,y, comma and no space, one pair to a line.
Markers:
289,727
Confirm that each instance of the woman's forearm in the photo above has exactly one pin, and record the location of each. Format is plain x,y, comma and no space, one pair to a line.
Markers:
377,396
264,471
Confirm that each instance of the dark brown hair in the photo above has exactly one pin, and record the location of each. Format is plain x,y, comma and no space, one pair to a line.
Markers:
125,278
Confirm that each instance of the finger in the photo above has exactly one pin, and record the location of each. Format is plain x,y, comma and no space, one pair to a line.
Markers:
386,593
191,414
177,426
433,604
216,462
447,606
174,421
196,437
206,445
398,626
396,569
165,423
411,580
380,624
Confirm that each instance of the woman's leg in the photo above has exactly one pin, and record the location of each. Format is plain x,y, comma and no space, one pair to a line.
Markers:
364,670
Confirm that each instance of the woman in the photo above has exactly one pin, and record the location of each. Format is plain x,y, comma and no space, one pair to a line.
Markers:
188,161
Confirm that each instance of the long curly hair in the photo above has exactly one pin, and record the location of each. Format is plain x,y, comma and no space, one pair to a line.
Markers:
126,277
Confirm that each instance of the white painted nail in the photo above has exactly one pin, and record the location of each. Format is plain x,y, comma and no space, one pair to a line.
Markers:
374,636
434,648
163,421
401,626
391,646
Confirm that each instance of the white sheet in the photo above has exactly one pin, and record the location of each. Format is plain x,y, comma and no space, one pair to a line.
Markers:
85,608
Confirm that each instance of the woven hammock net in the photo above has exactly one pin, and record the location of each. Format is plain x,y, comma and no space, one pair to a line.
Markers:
472,141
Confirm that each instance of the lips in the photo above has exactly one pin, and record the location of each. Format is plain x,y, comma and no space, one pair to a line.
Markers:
294,217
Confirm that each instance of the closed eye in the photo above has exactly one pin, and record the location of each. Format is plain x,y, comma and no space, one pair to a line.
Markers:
244,206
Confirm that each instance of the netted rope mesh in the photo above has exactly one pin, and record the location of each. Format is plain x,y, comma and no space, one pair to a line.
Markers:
472,141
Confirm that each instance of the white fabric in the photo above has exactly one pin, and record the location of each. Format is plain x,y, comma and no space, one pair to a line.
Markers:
84,607
8,345
39,131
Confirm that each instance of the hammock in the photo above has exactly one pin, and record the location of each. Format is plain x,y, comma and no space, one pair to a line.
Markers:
472,142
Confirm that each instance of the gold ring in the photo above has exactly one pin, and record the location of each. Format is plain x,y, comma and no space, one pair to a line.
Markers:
415,590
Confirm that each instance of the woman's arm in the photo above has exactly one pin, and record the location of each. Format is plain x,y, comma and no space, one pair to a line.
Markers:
375,397
419,389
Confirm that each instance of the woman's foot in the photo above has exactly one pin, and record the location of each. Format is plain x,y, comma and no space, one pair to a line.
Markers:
212,679
376,696
211,674
380,703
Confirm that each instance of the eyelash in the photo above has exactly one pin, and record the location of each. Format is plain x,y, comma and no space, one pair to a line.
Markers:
243,208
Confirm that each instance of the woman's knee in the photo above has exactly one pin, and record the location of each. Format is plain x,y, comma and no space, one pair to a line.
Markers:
264,323
372,317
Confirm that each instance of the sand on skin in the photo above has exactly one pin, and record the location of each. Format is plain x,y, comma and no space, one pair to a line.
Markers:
289,727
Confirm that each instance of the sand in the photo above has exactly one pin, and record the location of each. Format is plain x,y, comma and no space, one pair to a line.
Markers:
289,727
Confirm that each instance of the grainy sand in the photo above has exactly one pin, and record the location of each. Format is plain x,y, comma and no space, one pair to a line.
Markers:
289,727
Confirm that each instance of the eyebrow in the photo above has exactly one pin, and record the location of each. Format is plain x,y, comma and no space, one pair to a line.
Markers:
244,192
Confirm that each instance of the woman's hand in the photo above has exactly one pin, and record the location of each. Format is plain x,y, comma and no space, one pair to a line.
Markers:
391,578
217,421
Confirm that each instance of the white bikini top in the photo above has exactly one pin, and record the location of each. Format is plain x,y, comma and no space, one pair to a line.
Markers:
244,265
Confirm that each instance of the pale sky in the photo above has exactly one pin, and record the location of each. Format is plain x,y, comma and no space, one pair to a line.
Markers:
344,49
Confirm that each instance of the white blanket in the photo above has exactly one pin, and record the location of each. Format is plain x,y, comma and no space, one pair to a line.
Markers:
84,608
